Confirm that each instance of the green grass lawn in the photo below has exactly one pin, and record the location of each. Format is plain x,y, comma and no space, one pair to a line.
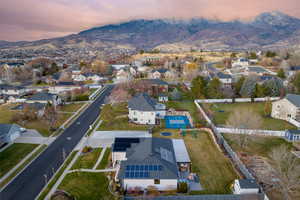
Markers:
115,118
21,167
213,167
220,113
87,160
87,186
187,106
11,156
70,107
105,160
6,113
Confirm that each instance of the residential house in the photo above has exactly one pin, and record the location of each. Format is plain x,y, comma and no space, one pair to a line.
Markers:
163,98
12,90
156,162
10,132
143,109
79,77
159,73
240,62
39,108
93,77
155,86
45,98
287,109
292,70
257,70
63,86
123,75
292,135
225,79
245,186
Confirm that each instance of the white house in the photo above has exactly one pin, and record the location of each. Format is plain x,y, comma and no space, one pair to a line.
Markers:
145,110
156,162
123,76
225,79
45,98
12,90
9,132
245,186
78,77
287,109
160,73
240,62
63,87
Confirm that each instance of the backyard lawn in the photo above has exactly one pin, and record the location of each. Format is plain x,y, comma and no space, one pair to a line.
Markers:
87,160
215,170
220,113
87,186
11,156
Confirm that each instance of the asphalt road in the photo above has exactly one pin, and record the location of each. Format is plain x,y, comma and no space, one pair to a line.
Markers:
28,184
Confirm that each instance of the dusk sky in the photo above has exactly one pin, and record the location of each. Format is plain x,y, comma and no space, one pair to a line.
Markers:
39,19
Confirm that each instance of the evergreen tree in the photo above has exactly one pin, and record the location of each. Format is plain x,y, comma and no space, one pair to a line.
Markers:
214,89
238,85
281,73
199,87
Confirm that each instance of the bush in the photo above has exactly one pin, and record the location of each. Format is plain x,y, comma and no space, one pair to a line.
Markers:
83,97
86,149
182,187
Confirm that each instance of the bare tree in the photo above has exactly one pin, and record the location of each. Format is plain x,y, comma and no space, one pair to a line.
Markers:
287,167
50,116
244,118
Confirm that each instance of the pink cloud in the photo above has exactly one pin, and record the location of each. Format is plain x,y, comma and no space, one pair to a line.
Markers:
36,19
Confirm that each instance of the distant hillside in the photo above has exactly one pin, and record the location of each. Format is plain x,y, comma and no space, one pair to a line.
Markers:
268,30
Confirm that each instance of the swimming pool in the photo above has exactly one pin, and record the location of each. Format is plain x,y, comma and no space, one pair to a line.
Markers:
177,122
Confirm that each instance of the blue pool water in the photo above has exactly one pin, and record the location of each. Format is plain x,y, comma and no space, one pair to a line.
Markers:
177,122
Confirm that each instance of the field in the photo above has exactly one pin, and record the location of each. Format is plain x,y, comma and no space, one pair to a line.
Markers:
40,125
87,160
11,156
87,186
220,113
115,118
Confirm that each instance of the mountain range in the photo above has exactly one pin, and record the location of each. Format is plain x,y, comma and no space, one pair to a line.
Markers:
270,30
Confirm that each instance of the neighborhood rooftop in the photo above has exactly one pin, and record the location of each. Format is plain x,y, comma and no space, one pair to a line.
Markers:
150,158
142,102
294,99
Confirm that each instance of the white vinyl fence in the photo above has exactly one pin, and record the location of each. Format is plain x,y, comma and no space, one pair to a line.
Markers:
251,132
238,100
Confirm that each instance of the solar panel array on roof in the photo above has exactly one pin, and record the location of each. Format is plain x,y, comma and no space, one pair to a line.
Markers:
121,144
141,171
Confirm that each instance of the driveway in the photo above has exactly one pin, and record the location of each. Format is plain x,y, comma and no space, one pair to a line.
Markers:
106,138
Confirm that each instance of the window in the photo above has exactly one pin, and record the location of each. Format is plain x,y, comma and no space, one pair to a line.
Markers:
289,115
156,181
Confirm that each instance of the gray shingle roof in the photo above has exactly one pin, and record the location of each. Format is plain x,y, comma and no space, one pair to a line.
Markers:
151,151
37,106
41,97
7,128
294,99
248,183
221,75
142,102
10,87
294,131
162,70
155,81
